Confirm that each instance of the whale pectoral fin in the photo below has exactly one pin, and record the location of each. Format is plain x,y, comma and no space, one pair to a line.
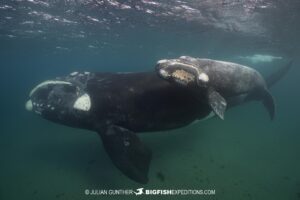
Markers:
127,152
269,103
217,102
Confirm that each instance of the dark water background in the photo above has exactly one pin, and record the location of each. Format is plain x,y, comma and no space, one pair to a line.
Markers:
244,157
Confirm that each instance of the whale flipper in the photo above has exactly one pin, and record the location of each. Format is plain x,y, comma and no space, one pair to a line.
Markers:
127,152
217,103
269,104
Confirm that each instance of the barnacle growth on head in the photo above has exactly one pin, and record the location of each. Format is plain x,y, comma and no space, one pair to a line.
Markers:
182,75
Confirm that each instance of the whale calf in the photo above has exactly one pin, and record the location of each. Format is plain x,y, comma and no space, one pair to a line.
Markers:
219,79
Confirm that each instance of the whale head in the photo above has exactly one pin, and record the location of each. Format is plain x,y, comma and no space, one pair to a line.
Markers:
59,100
184,71
174,70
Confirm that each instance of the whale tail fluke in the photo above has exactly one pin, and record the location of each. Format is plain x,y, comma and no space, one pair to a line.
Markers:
268,102
271,80
277,75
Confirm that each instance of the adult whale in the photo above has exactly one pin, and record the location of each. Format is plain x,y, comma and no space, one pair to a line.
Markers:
118,105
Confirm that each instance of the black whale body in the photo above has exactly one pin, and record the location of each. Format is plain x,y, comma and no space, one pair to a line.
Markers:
119,105
122,104
143,102
140,102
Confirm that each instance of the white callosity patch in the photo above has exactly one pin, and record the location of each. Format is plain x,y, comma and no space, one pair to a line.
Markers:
29,105
180,81
74,73
184,57
203,77
163,73
188,58
183,65
83,103
162,61
45,83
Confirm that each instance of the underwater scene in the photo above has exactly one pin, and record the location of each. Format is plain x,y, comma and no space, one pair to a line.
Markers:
150,99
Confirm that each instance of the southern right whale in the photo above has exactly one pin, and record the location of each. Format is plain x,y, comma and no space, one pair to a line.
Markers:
220,81
119,105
